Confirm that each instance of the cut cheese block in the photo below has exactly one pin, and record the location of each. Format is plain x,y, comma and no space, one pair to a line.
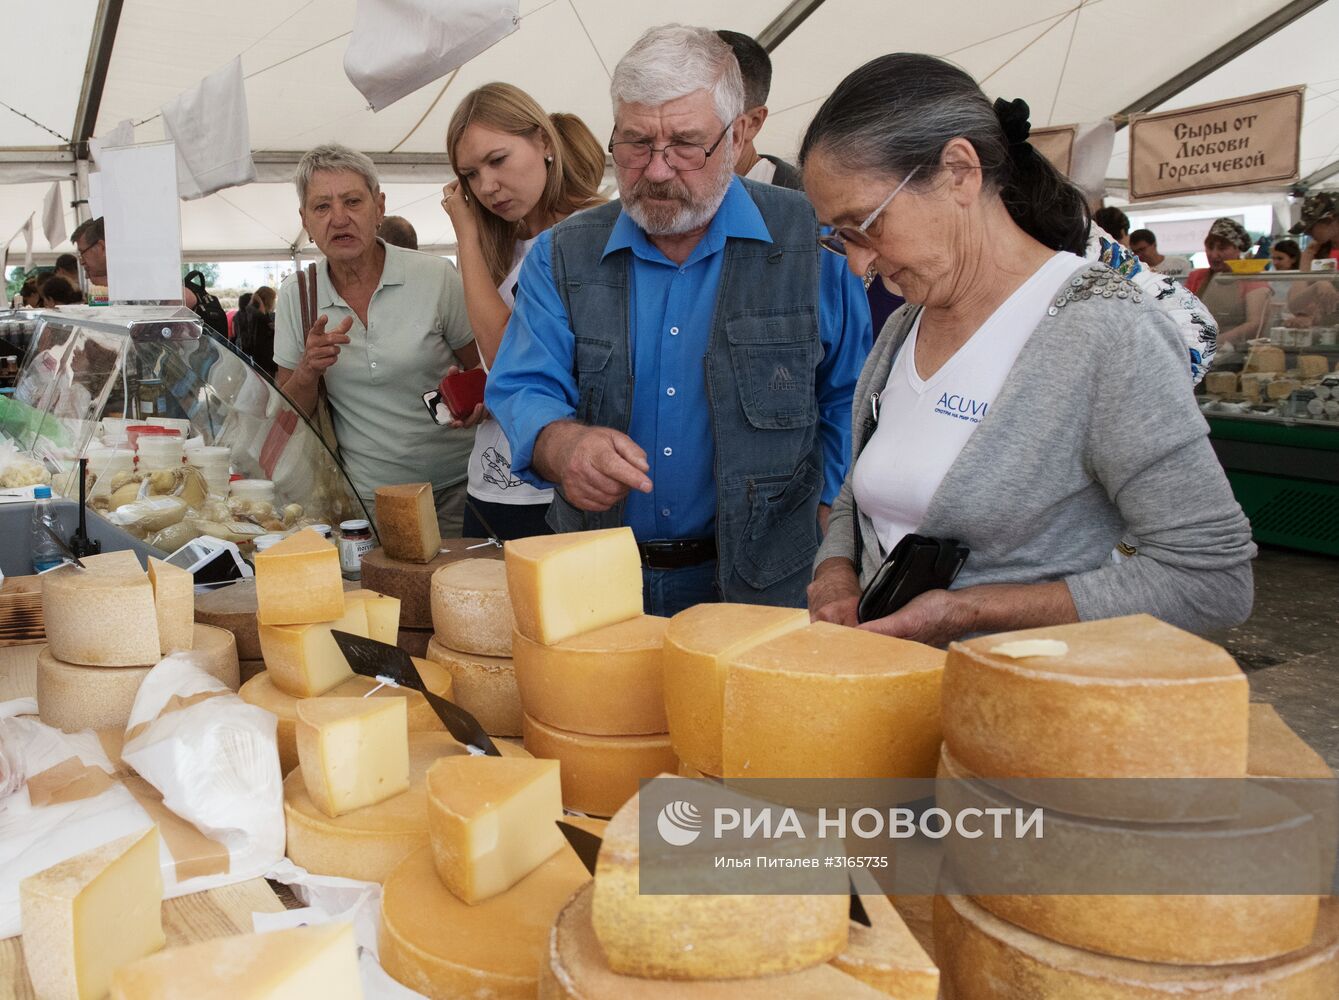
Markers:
886,955
174,601
407,522
600,773
827,701
445,949
470,607
1220,383
89,915
703,936
606,682
563,585
298,581
1183,929
492,821
319,960
261,691
981,956
304,660
414,641
102,616
1280,388
412,582
1312,366
383,615
698,644
233,608
354,752
576,969
1166,704
1266,358
367,843
485,686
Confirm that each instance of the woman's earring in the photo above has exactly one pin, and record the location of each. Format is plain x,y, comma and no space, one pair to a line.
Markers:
549,159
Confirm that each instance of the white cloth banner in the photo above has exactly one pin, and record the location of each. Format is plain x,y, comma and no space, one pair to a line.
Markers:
53,217
27,233
210,126
399,46
122,135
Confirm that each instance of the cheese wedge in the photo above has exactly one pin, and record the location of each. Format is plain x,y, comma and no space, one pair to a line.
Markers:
298,581
562,585
300,963
698,644
471,609
304,660
174,602
383,615
600,773
485,686
407,522
91,914
886,955
102,616
492,821
412,582
354,752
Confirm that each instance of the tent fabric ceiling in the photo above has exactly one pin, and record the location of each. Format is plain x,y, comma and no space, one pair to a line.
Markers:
1073,60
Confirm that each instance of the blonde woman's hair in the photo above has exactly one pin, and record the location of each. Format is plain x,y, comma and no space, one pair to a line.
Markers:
574,176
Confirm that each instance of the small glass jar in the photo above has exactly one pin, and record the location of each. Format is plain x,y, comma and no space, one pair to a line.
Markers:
324,530
355,538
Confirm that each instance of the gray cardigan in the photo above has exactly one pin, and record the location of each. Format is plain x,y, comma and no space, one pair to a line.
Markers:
1094,435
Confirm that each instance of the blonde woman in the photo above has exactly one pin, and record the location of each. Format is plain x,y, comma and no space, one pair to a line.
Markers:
518,172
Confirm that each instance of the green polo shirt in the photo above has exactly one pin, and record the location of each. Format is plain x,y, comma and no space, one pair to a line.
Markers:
415,322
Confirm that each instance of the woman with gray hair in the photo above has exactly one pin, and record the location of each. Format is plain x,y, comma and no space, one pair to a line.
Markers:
1032,405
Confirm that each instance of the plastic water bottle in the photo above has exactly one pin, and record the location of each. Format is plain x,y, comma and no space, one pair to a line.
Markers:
45,551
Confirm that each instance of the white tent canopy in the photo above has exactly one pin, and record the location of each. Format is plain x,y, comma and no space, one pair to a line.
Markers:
76,68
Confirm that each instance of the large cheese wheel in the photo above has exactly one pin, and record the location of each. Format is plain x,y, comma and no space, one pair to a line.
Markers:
608,682
1184,929
886,955
600,773
261,691
250,668
575,968
1301,774
826,701
368,843
234,608
471,611
414,641
214,650
984,958
412,582
445,949
485,686
102,616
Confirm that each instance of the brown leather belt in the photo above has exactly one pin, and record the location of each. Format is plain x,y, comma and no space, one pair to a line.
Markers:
677,553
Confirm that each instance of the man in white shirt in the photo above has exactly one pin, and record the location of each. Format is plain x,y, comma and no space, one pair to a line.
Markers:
755,66
1145,247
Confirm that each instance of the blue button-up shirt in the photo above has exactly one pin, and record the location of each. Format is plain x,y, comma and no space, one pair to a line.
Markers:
532,383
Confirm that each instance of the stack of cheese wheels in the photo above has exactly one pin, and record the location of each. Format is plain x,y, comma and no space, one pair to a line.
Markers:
589,664
758,692
471,615
612,942
1127,698
107,626
233,607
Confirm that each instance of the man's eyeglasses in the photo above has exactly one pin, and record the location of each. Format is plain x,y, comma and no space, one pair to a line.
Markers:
836,240
80,251
682,156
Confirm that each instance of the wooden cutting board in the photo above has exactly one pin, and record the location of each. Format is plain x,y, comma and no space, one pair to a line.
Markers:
21,618
187,919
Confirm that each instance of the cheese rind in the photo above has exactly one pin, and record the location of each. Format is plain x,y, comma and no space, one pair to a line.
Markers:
304,660
471,609
886,955
412,582
563,585
608,682
214,650
485,686
233,608
102,616
600,773
407,522
354,752
90,914
318,960
174,603
298,581
826,701
698,643
492,821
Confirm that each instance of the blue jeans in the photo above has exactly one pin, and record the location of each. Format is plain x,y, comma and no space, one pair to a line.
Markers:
666,592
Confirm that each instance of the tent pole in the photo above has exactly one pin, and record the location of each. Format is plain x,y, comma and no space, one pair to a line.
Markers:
95,74
795,14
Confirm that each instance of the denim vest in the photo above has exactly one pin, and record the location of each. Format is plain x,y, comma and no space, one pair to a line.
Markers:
761,366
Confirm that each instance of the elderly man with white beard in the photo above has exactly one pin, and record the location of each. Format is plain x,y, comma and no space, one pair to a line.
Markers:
682,361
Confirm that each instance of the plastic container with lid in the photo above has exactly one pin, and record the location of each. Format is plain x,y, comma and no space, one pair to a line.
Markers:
324,530
252,489
355,540
160,451
263,542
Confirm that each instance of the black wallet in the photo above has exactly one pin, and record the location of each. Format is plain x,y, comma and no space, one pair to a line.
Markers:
916,564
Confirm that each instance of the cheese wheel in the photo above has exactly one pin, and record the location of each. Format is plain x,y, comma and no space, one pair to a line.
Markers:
600,773
984,958
234,608
444,949
407,521
1276,752
412,582
250,668
563,585
1131,698
1220,383
575,968
471,611
826,701
414,641
102,616
485,686
1312,365
691,772
886,955
608,682
214,650
1266,358
698,644
368,843
261,691
298,581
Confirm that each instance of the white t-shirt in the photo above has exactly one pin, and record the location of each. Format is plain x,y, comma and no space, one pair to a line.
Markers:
490,477
924,423
763,171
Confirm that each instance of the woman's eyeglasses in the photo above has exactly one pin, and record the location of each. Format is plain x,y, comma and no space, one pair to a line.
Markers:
836,240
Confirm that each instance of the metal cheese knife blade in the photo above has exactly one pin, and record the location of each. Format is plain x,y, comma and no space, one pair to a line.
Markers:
585,843
858,913
65,549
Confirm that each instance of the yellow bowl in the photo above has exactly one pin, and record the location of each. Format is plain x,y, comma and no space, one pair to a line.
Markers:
1247,266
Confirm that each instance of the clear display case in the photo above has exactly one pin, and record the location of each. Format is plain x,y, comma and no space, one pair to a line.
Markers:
184,436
